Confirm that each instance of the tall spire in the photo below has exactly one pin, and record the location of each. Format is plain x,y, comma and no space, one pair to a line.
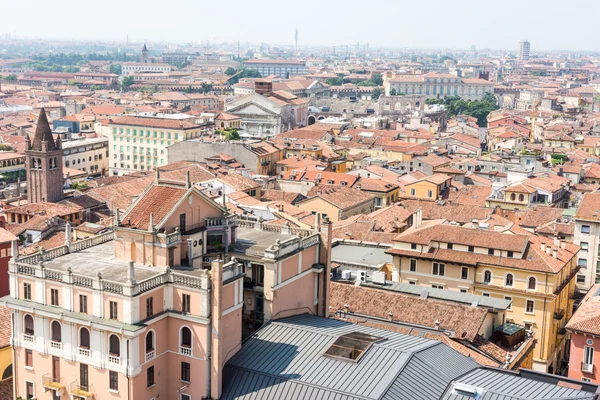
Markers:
43,133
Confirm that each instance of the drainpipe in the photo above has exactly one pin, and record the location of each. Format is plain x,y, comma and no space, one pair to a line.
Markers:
544,314
215,331
327,271
15,369
127,374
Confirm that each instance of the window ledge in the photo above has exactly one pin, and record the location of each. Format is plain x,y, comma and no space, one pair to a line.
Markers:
29,368
113,391
151,386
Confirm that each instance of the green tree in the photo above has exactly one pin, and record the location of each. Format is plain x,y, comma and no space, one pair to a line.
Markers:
116,69
229,134
188,89
392,92
376,94
229,71
206,87
11,77
377,79
127,81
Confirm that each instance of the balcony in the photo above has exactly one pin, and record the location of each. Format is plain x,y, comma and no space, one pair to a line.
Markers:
53,383
111,359
150,355
28,338
82,391
55,345
186,351
587,368
84,352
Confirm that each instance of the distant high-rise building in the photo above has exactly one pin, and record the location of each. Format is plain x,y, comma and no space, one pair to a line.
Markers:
524,50
296,40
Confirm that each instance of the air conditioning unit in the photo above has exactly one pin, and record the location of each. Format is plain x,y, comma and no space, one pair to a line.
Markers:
378,277
361,276
207,259
346,275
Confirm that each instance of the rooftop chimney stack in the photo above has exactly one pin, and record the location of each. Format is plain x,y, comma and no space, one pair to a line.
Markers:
131,274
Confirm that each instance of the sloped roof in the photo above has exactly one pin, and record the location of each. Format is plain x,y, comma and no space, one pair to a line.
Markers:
158,201
43,133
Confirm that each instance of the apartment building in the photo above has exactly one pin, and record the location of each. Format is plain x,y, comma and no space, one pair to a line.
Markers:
90,155
139,142
280,68
129,68
587,236
536,273
151,310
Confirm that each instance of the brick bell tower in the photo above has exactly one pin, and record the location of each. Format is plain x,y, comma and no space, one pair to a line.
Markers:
43,160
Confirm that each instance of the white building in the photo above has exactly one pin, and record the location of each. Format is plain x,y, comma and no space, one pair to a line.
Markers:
87,154
281,68
524,50
134,68
435,85
139,142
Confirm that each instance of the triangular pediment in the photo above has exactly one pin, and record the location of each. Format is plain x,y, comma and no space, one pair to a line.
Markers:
251,108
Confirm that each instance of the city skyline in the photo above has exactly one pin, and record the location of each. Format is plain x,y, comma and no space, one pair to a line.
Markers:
445,28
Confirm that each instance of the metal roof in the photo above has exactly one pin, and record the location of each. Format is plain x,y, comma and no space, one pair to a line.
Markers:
285,360
441,294
360,255
508,385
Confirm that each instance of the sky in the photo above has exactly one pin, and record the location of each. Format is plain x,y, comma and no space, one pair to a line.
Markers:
548,24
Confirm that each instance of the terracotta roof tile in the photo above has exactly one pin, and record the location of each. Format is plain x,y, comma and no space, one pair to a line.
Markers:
159,201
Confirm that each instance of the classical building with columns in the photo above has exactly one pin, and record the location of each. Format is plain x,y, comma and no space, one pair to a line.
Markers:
436,85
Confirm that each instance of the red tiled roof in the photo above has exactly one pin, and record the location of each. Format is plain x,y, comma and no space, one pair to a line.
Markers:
158,201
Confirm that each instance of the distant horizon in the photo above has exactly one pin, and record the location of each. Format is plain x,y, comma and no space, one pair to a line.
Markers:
436,25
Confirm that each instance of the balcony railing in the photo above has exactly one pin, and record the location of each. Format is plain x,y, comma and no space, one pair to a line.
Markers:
113,359
84,352
82,391
587,368
53,383
558,315
186,351
28,338
55,345
150,355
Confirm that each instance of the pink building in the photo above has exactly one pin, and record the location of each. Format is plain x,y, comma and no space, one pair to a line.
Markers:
150,310
584,326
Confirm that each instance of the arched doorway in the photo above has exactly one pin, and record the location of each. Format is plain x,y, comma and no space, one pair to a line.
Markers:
311,120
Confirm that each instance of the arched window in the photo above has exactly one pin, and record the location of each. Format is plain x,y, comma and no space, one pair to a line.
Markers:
186,337
513,196
150,342
531,283
84,338
509,280
56,331
114,346
521,197
487,277
28,319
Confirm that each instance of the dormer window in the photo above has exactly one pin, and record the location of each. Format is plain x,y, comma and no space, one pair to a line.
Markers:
352,346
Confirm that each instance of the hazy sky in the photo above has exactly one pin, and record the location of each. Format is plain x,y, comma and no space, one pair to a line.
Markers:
548,24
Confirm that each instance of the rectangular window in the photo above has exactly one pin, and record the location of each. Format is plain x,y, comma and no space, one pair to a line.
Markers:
510,254
449,246
471,249
413,246
584,245
54,297
588,355
485,294
113,380
585,229
581,279
463,290
149,307
412,267
185,303
28,358
413,192
112,305
529,307
439,269
509,299
83,303
464,273
27,291
150,376
29,390
491,252
429,194
582,262
83,376
437,286
185,372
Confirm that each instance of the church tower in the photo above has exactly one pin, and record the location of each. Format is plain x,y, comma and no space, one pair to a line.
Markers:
145,54
43,160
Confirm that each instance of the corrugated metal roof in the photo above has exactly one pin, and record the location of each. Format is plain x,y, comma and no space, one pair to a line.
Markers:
285,360
450,295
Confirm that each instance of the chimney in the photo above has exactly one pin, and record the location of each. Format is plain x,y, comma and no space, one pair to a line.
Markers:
418,217
131,274
563,245
556,241
548,250
544,247
437,324
555,253
67,234
390,316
